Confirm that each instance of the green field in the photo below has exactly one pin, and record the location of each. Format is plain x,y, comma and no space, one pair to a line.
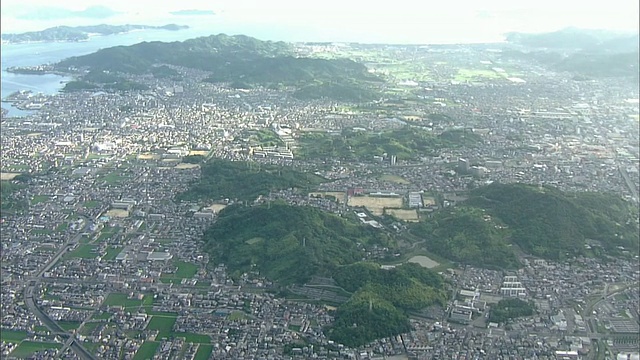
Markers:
62,227
394,179
185,270
12,335
237,315
204,351
88,328
83,251
118,299
69,325
113,178
37,199
194,338
147,350
27,348
111,253
164,325
476,74
91,204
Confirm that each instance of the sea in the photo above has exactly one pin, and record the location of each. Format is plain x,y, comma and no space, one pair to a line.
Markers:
30,54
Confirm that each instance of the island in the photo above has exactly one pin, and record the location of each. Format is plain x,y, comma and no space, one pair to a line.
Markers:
80,33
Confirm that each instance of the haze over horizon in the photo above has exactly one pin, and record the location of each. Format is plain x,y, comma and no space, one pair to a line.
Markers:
401,21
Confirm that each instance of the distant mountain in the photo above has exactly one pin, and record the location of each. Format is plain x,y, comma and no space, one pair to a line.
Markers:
586,53
542,221
57,13
79,33
577,39
233,59
192,12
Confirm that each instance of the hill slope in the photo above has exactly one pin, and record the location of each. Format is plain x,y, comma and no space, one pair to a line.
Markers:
287,244
542,221
244,180
550,223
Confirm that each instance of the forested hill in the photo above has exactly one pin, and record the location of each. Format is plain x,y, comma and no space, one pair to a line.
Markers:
232,59
550,223
542,221
287,244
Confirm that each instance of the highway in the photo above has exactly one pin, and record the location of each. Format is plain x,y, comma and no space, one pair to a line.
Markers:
30,301
630,184
592,329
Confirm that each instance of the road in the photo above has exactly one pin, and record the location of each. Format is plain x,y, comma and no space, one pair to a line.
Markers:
630,184
592,329
30,301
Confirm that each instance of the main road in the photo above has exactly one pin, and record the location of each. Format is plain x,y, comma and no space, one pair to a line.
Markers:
30,301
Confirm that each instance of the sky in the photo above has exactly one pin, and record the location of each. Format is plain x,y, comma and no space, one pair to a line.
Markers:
353,20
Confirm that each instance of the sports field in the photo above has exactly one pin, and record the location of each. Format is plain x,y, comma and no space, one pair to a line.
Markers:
376,204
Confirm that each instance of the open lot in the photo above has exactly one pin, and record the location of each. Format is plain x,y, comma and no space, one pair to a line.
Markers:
376,204
187,166
428,201
394,179
8,175
402,214
148,157
216,208
117,213
424,261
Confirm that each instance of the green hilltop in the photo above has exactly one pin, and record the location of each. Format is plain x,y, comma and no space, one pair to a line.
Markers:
287,244
290,245
245,181
382,298
541,220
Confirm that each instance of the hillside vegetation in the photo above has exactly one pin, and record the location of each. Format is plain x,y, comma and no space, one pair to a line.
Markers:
406,143
467,235
382,298
245,181
542,221
287,244
549,223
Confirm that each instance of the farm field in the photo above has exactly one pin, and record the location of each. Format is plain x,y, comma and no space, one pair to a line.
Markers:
146,351
164,325
27,348
376,204
403,214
